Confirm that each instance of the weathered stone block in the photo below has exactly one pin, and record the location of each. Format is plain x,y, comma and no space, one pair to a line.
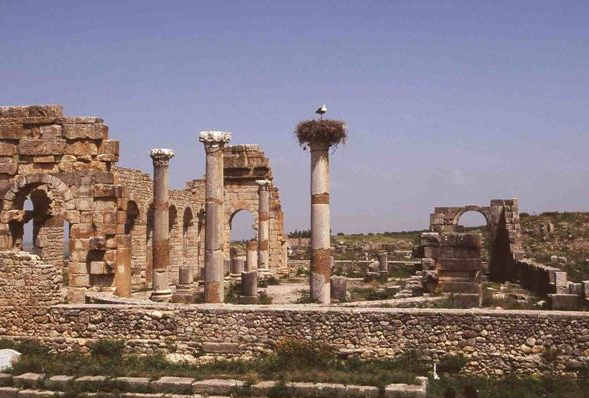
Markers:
176,385
85,130
220,348
459,264
7,149
567,302
431,239
54,146
81,147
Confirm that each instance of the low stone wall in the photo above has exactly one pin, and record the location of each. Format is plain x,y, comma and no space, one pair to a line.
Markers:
495,342
25,280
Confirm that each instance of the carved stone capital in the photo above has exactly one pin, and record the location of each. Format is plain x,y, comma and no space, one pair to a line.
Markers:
161,156
214,139
263,185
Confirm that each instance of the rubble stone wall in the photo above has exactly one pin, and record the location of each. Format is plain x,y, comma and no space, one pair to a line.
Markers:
494,342
26,281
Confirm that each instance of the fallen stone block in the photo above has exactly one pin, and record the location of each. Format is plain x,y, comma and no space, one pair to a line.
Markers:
216,386
221,348
173,385
8,392
5,379
28,380
59,382
133,384
35,394
566,302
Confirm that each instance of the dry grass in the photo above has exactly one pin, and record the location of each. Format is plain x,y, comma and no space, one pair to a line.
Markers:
328,131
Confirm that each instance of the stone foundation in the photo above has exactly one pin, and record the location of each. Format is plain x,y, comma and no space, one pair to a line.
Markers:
25,280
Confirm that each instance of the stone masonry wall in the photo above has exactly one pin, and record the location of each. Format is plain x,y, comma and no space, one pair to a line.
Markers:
494,342
64,166
185,207
26,281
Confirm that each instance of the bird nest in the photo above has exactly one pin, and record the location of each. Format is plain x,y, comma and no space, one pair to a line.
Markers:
327,131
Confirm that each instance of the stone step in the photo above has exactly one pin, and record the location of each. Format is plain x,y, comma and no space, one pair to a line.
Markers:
32,385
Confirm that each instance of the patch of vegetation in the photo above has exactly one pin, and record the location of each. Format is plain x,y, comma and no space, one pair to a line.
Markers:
291,361
509,387
272,281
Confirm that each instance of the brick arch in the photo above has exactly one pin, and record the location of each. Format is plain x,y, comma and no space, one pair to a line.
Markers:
23,185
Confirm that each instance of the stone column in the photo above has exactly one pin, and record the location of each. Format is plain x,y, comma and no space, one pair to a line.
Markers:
214,141
123,267
263,225
383,266
249,286
251,255
320,223
161,232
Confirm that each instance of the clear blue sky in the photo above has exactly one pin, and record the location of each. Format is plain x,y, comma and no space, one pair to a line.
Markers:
448,103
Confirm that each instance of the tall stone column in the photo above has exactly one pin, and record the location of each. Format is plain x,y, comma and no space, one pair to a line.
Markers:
263,225
320,223
161,232
214,141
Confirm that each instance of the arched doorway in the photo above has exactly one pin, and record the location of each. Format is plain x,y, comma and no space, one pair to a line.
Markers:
242,227
190,241
473,219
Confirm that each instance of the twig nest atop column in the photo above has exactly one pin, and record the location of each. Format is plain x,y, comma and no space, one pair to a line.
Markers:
332,132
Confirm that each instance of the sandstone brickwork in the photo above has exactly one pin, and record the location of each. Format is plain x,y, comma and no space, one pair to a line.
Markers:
64,165
26,281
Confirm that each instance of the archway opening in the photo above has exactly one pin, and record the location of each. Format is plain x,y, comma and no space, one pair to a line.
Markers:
242,226
473,221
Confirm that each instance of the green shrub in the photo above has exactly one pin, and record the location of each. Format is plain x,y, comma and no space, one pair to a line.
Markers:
451,364
107,349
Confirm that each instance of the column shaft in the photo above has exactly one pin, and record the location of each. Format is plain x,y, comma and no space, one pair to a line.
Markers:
320,224
161,231
264,225
214,199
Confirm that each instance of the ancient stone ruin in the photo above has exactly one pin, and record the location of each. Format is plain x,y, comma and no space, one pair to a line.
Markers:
130,234
66,167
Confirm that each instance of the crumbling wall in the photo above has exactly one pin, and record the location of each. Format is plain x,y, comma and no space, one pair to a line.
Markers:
503,232
26,281
243,165
64,164
456,259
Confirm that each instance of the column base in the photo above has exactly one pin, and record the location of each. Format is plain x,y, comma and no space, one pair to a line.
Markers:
161,295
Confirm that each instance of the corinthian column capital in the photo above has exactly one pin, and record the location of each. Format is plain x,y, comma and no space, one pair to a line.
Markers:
161,156
214,139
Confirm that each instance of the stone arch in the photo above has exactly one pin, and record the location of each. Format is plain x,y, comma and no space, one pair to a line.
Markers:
14,197
474,208
53,215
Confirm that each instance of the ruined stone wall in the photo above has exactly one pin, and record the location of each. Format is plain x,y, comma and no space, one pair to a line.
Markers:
243,165
185,208
26,281
503,232
494,342
64,164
